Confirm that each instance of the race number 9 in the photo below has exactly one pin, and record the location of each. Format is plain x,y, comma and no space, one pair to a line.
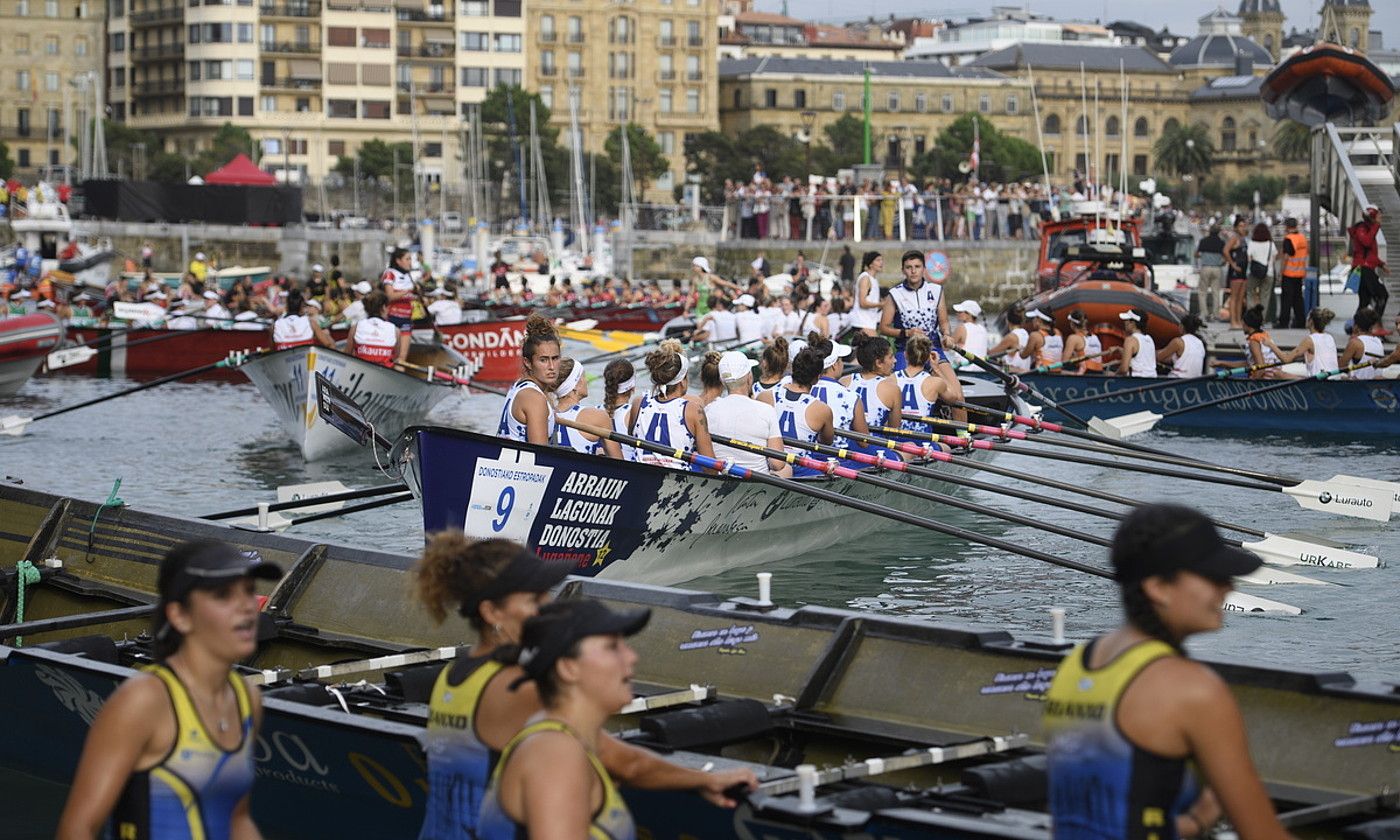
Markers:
504,505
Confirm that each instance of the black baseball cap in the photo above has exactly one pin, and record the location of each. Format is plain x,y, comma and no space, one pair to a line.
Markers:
1190,544
526,573
548,636
206,564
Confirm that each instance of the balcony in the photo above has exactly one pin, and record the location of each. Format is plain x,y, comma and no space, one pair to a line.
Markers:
293,47
695,41
693,75
290,83
576,38
666,75
620,39
443,88
575,72
173,50
431,16
156,17
162,87
666,40
17,131
432,49
549,72
548,37
290,10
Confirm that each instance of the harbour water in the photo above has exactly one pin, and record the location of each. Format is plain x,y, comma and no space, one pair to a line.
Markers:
197,448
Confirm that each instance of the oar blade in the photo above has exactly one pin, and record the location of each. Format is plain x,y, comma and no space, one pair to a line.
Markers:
1119,428
1243,602
60,359
1392,486
1267,576
1344,499
1285,551
13,425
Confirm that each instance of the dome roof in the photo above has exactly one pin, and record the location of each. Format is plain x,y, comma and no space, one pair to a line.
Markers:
1254,7
1218,50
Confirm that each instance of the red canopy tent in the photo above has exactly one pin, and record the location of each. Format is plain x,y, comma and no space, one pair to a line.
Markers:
241,172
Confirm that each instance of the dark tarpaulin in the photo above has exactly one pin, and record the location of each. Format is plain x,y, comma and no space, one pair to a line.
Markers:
149,201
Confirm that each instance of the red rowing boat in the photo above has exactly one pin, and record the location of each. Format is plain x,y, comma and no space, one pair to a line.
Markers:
24,341
630,317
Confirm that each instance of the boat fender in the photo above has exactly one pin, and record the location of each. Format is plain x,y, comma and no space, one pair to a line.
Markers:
1386,829
414,685
1019,782
715,723
96,648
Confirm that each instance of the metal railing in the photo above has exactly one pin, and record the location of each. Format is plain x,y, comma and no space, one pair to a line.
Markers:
439,15
576,72
665,40
547,36
300,10
420,88
151,17
158,88
1335,174
289,47
666,75
292,83
576,38
171,50
429,50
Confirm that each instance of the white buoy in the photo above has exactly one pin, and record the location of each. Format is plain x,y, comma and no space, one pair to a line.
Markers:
1057,625
765,589
807,786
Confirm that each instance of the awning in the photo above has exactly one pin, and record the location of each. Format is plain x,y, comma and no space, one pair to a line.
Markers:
302,69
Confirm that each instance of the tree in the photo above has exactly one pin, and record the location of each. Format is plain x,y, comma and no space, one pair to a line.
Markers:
1242,192
1184,150
648,161
845,145
1293,141
229,141
780,156
712,156
7,166
376,159
129,148
503,141
168,168
1002,158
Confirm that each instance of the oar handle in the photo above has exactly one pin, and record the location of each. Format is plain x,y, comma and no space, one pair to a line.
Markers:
233,360
1076,360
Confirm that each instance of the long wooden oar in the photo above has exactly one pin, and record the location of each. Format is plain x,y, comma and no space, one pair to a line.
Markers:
1338,487
76,354
312,501
1015,384
15,425
923,757
1167,381
1076,360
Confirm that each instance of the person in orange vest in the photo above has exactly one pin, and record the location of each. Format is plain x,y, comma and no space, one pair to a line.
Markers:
1295,269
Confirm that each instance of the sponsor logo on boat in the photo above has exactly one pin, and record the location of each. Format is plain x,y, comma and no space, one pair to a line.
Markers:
1371,733
1032,684
724,640
302,767
504,338
507,496
579,526
67,690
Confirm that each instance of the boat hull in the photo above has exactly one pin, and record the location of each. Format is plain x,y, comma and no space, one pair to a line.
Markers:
1339,407
492,348
391,399
636,317
24,341
1101,302
131,352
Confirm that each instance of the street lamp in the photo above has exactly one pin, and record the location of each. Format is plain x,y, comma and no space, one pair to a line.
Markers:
809,120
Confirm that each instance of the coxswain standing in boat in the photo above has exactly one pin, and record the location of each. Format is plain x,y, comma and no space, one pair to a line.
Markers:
1132,720
619,388
569,397
1139,350
375,339
916,307
497,585
171,753
528,415
1187,352
738,415
301,325
666,416
1260,345
875,382
1365,345
397,284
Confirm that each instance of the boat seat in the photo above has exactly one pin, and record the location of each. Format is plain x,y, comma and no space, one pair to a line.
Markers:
723,722
1018,782
96,648
414,685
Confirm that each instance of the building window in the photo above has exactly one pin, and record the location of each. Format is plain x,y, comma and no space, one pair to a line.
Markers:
667,181
547,65
245,33
193,73
1141,127
692,101
547,33
475,42
921,102
375,39
770,98
303,105
119,77
475,8
947,104
575,29
21,44
574,63
692,68
1112,127
692,33
663,101
666,32
799,98
509,43
892,101
340,36
24,158
666,67
51,8
118,42
51,82
1013,105
375,109
22,122
245,106
1052,124
1170,125
269,104
667,139
335,147
547,96
51,45
341,108
507,76
738,99
838,101
432,150
1227,135
1081,128
984,103
1139,164
920,144
474,77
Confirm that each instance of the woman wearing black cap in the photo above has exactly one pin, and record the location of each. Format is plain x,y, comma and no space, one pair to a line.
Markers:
497,585
1131,720
171,753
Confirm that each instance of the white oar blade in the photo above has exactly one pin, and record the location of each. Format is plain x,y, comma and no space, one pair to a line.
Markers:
1354,500
584,324
137,311
1126,426
298,492
1266,576
1392,486
13,425
275,522
1284,551
1243,602
60,359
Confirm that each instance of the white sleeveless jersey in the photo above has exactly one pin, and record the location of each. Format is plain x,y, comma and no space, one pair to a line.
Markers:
1324,354
663,422
844,403
1052,350
792,414
723,326
292,331
976,341
1144,363
514,429
748,326
912,399
376,340
867,319
1015,362
1191,361
877,413
573,438
1093,346
1372,350
619,424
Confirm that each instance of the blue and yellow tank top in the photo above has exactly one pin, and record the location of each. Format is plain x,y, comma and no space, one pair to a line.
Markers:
612,821
1102,786
191,794
459,764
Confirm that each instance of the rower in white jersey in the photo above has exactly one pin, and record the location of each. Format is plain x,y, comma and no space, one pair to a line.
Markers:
1139,350
718,326
773,368
569,397
875,383
1013,344
1317,348
1364,346
802,416
666,416
846,411
748,324
919,391
1186,353
969,334
528,414
865,314
619,387
1038,333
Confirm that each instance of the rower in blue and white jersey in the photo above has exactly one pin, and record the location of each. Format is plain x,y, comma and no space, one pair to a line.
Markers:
774,366
619,386
666,416
846,410
916,308
572,390
919,390
801,416
528,415
875,382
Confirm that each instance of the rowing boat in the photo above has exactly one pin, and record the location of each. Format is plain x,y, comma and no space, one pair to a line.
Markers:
131,351
786,686
628,317
391,398
24,341
1343,407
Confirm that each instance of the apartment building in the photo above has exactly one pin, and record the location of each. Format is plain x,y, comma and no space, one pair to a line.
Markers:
311,80
50,54
650,62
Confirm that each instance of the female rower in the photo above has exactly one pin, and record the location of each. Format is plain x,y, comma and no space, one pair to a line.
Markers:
1139,350
970,335
497,585
772,370
1186,353
711,388
297,329
1318,349
375,339
846,411
919,390
666,416
1131,718
1081,343
1365,345
171,753
1013,344
619,386
1261,346
528,414
865,316
801,415
569,396
875,383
